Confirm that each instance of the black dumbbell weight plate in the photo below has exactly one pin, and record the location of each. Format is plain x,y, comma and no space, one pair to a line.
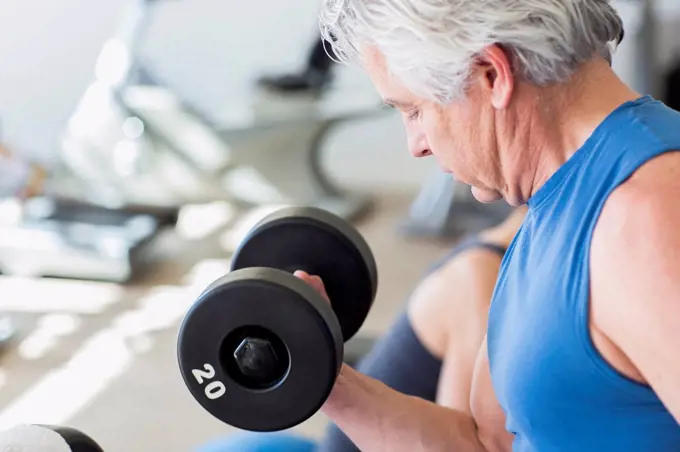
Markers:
76,440
313,240
298,324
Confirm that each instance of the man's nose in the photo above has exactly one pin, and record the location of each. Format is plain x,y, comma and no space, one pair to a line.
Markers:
421,152
418,146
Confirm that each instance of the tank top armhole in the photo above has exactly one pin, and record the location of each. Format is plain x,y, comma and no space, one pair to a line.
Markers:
583,292
603,367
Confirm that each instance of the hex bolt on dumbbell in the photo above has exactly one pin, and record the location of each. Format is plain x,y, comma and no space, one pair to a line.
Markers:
256,358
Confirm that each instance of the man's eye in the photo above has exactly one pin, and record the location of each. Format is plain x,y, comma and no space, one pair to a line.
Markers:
413,115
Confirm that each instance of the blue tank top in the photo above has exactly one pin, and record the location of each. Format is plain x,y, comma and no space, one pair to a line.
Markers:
557,391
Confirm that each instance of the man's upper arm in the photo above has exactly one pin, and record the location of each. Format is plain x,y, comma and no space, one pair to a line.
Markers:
486,411
473,278
636,275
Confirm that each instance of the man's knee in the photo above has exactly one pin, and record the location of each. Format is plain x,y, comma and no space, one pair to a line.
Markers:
427,311
457,294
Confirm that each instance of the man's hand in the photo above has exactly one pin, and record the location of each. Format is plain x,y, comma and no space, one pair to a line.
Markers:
313,281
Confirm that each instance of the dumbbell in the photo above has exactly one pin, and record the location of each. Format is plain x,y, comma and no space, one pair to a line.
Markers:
46,438
261,349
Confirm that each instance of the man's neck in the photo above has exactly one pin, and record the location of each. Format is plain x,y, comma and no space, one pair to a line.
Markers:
568,116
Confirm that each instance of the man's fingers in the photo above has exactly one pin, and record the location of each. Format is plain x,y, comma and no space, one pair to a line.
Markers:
313,281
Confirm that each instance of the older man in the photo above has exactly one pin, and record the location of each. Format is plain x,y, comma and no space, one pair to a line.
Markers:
517,98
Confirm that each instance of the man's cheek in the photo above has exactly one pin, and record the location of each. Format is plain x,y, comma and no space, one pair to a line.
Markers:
435,139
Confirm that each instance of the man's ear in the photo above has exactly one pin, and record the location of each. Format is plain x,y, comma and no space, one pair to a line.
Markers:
496,69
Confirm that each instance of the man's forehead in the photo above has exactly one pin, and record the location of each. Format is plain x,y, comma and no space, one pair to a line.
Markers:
388,86
375,64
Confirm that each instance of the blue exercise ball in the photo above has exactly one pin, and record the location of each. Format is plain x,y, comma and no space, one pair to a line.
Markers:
259,442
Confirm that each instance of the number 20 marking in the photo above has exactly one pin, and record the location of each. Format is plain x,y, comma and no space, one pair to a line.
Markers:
214,389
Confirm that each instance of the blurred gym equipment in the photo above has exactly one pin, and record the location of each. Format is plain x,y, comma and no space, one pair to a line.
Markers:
42,234
313,79
445,208
7,331
635,61
51,237
134,151
19,177
137,140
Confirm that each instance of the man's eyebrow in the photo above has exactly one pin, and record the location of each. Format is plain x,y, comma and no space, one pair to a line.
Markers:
396,103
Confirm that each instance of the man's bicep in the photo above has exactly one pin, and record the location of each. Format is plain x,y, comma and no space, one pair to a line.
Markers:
486,410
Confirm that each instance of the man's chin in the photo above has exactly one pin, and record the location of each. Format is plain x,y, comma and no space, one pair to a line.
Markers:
486,196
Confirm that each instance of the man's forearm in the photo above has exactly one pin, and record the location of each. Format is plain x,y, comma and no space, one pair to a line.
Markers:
377,418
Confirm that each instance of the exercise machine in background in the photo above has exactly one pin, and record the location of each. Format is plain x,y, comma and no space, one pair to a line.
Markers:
445,208
43,234
134,152
138,139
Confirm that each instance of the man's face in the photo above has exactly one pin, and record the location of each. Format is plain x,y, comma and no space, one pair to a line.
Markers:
459,135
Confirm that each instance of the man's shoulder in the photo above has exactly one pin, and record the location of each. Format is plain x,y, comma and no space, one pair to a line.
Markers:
652,192
639,222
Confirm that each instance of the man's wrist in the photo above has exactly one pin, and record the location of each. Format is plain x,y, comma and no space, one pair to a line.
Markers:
355,391
340,392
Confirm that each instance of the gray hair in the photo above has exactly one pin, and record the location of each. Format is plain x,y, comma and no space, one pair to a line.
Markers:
430,44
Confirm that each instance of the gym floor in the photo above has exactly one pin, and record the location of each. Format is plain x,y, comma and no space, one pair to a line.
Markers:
101,358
